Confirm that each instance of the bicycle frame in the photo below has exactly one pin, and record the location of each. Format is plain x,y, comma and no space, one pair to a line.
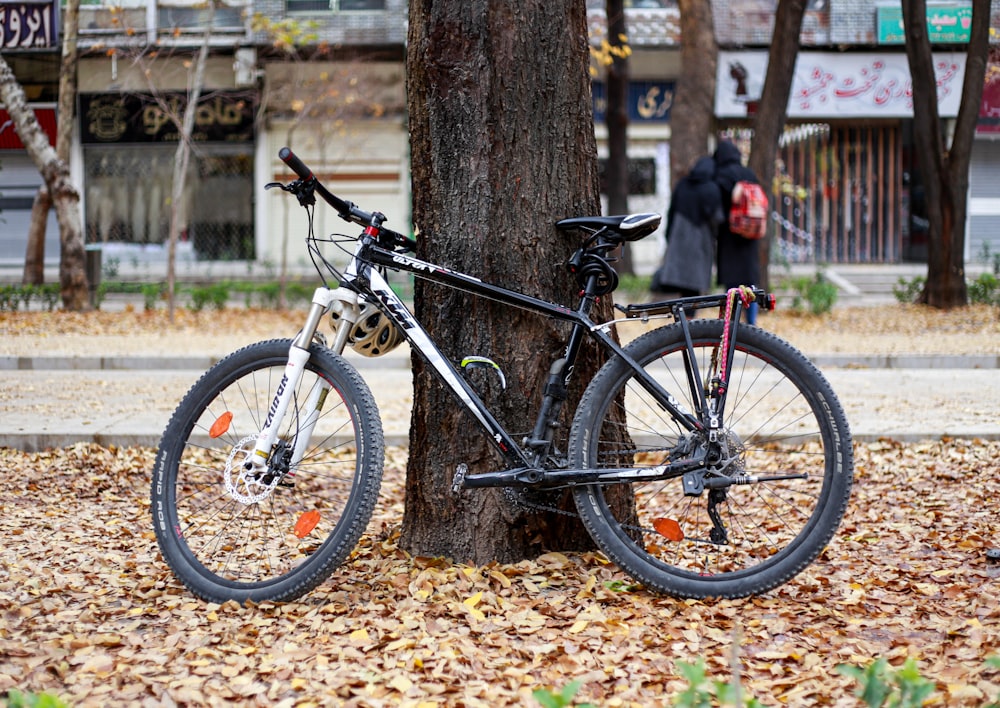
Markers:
525,461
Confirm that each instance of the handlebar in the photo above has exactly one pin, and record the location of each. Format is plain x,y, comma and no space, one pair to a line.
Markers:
346,210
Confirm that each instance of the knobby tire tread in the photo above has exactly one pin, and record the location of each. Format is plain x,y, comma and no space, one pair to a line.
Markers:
250,361
768,350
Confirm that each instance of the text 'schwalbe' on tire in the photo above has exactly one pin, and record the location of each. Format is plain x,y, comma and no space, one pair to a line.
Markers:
233,539
782,418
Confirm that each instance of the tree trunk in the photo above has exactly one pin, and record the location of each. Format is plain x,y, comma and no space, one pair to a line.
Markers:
772,109
65,197
182,157
502,145
945,171
693,112
34,258
34,261
616,117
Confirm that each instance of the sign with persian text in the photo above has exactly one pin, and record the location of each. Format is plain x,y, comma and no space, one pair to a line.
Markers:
144,118
648,101
945,25
29,25
829,85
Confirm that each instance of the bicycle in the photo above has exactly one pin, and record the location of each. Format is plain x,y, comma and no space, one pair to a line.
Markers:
706,458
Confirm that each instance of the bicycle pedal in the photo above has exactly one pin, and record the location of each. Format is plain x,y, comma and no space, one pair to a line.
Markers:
459,479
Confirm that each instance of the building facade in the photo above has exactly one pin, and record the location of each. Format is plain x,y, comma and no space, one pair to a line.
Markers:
849,187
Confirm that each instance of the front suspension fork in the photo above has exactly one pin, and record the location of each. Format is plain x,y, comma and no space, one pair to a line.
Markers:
298,356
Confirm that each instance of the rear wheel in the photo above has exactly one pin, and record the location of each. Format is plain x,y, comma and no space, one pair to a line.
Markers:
229,535
782,421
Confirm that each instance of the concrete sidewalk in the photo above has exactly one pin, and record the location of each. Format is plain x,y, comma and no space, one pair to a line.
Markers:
50,402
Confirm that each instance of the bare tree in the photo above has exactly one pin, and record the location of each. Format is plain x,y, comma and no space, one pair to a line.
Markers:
502,145
945,169
65,196
772,110
318,101
143,57
34,261
692,114
616,118
182,159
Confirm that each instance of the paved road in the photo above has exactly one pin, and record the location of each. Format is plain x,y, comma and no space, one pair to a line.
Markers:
128,400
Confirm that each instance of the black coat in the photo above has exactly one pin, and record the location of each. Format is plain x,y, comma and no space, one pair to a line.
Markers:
737,258
692,218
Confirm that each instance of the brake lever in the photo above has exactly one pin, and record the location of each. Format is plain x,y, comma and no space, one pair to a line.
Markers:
304,190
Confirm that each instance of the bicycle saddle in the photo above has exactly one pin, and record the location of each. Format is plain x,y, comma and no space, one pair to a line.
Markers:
631,227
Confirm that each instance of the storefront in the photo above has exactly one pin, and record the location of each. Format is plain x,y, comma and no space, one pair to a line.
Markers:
649,105
983,235
29,39
848,187
129,142
19,185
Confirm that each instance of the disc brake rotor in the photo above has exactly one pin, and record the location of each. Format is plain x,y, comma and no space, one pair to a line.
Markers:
244,486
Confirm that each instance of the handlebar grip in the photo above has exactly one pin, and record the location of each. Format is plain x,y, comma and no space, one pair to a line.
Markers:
294,163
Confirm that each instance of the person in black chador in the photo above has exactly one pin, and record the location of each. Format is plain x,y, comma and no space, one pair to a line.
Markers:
738,258
692,218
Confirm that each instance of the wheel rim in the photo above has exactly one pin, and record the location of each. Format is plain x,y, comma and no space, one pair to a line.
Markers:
251,540
775,429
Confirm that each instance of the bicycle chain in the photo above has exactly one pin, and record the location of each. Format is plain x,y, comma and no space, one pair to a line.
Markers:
518,500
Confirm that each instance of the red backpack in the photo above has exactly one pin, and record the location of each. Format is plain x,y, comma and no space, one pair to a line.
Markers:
748,213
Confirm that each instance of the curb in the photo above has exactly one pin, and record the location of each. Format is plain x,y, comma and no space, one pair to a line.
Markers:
203,363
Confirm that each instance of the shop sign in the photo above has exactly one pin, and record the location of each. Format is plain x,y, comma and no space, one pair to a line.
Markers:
141,118
829,85
29,25
648,101
945,25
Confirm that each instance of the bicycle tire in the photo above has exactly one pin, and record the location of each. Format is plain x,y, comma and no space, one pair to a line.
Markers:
232,540
789,420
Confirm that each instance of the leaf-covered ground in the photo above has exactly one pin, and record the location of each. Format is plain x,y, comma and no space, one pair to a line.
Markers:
89,611
888,329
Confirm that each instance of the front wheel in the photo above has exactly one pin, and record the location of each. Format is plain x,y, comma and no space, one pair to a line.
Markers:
231,535
782,426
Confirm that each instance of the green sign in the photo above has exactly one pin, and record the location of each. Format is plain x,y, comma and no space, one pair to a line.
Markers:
945,25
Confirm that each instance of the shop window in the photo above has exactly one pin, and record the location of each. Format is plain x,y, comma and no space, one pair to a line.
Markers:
333,5
128,201
641,176
171,17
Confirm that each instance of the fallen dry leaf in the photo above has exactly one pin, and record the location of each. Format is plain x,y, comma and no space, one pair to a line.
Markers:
89,611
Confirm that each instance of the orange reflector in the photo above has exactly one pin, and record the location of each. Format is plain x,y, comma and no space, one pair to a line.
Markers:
306,523
669,529
221,425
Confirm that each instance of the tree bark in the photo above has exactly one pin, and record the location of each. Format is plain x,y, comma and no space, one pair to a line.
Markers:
34,257
67,81
945,170
772,109
34,261
692,115
65,197
616,118
502,146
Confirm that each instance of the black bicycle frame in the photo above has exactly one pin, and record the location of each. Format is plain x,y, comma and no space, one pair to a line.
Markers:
522,469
